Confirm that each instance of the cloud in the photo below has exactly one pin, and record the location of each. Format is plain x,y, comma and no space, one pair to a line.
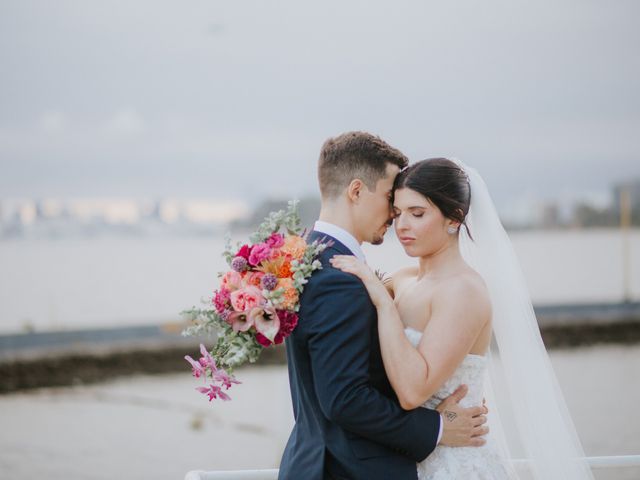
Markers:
126,121
207,99
53,121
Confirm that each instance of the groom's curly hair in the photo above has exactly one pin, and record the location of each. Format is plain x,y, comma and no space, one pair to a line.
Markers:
355,155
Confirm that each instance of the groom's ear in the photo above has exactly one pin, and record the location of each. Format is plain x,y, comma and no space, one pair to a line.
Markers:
354,190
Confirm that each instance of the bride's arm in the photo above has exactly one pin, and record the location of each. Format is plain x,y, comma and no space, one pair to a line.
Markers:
388,284
458,315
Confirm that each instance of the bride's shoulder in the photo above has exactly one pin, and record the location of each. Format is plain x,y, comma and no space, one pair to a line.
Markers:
469,287
393,282
405,273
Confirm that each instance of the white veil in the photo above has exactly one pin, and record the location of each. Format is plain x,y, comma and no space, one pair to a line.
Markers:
528,416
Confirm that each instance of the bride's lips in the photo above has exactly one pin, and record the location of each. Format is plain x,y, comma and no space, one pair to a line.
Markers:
406,240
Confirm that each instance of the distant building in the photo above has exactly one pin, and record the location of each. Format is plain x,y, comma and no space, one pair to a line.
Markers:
549,215
27,212
169,211
633,187
49,208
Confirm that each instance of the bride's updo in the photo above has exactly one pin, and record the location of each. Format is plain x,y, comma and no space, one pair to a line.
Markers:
443,183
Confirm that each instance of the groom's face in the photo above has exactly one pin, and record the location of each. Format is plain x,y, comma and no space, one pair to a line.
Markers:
375,208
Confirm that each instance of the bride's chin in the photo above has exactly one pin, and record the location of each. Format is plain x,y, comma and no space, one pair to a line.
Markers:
409,251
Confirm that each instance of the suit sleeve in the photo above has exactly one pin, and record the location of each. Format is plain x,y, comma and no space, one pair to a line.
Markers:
339,344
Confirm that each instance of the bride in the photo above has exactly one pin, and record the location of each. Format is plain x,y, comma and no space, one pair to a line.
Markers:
462,312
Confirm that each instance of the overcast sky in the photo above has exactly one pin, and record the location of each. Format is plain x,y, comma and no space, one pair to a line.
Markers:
234,99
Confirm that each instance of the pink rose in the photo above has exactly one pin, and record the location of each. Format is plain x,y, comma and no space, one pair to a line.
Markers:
232,280
253,278
246,298
276,240
259,252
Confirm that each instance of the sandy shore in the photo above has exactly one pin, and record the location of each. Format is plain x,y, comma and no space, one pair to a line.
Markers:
159,427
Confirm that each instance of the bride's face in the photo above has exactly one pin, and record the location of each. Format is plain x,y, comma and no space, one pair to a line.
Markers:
419,224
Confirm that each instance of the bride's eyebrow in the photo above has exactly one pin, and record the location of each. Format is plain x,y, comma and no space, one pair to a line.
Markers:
412,208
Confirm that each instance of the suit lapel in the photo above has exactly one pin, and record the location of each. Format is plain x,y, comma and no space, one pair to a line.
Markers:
334,244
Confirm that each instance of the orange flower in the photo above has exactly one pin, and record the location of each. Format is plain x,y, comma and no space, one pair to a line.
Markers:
285,269
294,246
290,295
279,266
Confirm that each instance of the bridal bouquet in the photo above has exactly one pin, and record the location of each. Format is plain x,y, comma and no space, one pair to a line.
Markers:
257,301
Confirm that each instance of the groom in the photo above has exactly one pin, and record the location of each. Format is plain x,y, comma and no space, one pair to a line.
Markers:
348,423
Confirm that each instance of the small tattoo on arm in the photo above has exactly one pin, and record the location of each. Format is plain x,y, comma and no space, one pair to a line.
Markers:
451,416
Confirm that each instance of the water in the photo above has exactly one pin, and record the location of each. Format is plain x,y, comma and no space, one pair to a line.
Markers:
159,427
124,281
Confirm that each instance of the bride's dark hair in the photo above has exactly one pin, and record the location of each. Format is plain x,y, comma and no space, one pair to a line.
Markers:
443,183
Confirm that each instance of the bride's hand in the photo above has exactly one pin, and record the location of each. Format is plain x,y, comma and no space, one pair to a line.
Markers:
350,264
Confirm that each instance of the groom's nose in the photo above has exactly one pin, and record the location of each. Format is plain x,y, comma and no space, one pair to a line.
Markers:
390,218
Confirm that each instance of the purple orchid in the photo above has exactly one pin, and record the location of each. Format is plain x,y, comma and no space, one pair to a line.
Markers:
198,369
207,360
214,391
225,379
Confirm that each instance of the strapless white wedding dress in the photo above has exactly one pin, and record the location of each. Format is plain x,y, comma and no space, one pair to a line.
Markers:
469,463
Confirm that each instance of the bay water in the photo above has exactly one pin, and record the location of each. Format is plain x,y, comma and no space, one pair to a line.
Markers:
118,281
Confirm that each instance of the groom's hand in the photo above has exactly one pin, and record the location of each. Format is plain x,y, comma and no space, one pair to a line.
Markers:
462,427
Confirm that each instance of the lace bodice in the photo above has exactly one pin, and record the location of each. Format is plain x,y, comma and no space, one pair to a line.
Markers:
469,463
470,372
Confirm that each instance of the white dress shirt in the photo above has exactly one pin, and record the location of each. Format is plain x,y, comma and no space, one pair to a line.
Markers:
342,236
353,245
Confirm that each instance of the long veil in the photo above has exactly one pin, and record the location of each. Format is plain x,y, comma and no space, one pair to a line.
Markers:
528,415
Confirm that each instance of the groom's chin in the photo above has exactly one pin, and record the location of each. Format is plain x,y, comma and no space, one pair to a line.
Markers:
378,237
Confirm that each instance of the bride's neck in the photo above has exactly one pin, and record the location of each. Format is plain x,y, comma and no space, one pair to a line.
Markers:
442,262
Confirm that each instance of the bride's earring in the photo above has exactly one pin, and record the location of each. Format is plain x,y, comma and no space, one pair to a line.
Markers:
451,230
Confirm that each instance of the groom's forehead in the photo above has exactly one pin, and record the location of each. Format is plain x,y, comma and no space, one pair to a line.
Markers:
385,184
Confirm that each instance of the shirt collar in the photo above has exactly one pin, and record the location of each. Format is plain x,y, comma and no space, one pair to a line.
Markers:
342,236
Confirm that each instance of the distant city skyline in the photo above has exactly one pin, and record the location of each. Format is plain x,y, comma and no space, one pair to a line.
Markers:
121,211
47,216
232,101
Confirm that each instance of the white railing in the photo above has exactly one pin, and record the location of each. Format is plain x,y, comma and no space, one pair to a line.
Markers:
596,463
233,475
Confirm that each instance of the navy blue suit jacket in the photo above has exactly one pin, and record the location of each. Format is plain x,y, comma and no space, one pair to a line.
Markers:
348,422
